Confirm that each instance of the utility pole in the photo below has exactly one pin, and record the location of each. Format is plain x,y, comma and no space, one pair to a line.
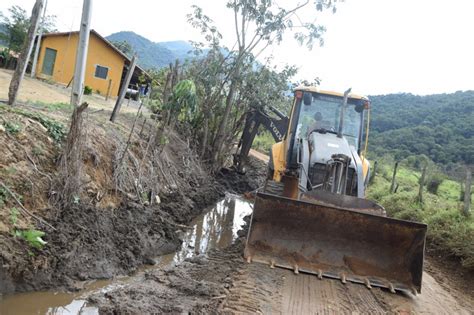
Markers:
25,53
123,89
38,42
81,55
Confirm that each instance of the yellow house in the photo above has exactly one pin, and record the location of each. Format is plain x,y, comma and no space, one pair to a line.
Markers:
105,63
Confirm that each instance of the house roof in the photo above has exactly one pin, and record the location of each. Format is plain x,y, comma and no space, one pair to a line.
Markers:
118,51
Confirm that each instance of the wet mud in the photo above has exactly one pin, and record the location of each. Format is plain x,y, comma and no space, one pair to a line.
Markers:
215,229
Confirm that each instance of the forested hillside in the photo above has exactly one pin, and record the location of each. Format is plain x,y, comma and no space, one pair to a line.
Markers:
439,126
150,54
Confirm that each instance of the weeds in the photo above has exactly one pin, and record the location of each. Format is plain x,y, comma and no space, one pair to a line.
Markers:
32,237
55,129
14,212
12,128
87,90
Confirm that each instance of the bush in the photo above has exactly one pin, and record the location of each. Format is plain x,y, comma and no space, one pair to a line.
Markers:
87,90
434,182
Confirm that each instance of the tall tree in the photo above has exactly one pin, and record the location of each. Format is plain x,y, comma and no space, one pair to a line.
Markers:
258,24
25,53
15,27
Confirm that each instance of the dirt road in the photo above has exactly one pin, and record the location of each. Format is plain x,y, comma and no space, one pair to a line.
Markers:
222,282
33,90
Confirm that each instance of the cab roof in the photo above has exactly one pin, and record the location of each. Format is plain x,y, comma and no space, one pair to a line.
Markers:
315,89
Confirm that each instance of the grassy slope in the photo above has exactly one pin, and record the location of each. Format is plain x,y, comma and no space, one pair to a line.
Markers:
448,229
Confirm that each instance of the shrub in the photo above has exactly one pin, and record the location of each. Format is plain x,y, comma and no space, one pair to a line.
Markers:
434,182
87,90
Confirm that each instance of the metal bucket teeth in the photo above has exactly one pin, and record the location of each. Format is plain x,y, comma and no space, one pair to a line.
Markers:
332,242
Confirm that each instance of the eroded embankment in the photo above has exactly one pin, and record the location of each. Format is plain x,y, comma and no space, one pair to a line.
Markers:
136,198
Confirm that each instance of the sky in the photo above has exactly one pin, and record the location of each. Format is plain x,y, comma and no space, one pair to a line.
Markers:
374,46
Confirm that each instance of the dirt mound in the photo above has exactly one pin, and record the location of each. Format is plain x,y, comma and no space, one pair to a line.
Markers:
235,182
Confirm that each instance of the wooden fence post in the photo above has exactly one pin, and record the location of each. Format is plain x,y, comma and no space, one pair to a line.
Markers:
467,193
392,186
422,184
123,89
108,90
372,175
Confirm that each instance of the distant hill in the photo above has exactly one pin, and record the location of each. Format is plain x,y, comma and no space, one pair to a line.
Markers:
151,54
440,126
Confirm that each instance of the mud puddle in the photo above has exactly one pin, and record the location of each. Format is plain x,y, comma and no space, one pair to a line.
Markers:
216,228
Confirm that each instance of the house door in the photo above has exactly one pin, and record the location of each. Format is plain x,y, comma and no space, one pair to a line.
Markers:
48,61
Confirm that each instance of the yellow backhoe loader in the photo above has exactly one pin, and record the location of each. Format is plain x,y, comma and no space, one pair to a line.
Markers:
312,215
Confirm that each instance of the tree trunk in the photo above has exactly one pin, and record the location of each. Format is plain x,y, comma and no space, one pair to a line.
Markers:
467,193
205,135
221,132
25,53
392,186
70,184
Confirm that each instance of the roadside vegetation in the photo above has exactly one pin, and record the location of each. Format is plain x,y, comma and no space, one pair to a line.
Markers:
449,230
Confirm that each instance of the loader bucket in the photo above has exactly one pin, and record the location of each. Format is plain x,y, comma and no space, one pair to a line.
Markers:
330,241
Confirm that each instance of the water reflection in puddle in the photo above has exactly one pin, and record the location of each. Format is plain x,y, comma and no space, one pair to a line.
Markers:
215,228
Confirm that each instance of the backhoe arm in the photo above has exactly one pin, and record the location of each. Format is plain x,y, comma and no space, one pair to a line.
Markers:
256,118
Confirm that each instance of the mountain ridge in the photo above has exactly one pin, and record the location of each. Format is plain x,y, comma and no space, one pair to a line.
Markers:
153,54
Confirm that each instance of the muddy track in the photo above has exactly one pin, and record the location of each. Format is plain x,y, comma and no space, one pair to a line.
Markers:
222,282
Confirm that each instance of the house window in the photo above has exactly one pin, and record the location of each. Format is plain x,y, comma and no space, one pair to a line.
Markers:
101,72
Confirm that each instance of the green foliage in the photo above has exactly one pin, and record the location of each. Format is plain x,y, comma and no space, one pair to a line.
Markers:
12,128
32,237
448,229
184,101
87,90
123,46
164,140
14,26
263,142
436,126
55,129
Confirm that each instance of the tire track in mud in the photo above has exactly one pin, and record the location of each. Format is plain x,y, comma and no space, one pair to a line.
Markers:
259,289
254,290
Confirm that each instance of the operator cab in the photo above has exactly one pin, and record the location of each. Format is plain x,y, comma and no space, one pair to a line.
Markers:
330,126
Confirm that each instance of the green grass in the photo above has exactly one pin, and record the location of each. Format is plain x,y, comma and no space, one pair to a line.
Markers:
448,229
51,106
